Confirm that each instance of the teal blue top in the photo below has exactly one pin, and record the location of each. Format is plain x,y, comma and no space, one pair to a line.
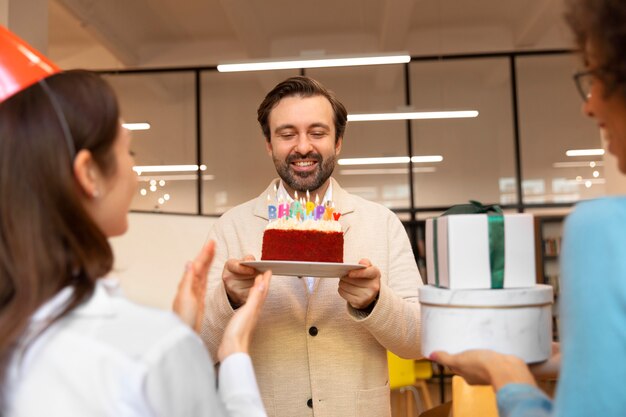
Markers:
592,381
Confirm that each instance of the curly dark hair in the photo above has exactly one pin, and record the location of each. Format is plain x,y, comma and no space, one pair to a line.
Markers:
602,24
301,87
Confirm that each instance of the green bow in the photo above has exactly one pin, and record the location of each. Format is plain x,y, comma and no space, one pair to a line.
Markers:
496,238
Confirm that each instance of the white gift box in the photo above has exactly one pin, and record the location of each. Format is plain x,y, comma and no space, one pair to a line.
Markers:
510,321
463,251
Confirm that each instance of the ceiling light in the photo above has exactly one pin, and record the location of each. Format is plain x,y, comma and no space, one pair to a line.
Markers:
426,158
167,168
584,152
580,180
181,177
421,115
578,164
390,160
136,126
328,61
383,171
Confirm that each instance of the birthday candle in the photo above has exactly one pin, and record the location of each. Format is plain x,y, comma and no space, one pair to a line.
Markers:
319,212
283,210
328,212
310,206
336,215
271,209
296,210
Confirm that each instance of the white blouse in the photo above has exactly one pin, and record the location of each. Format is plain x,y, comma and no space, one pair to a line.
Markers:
110,357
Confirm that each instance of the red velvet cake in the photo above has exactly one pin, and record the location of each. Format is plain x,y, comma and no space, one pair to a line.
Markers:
310,241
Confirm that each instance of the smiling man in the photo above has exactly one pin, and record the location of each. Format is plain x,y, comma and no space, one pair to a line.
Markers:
320,345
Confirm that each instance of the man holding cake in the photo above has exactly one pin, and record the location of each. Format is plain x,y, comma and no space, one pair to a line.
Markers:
320,348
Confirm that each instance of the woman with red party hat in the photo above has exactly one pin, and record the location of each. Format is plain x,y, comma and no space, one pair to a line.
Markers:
70,344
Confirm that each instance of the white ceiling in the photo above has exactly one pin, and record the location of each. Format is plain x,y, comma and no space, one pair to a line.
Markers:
131,33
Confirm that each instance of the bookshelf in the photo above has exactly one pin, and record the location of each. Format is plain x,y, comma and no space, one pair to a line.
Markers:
548,236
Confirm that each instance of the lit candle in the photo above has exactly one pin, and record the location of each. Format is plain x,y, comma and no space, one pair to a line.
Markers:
310,206
336,214
319,212
296,210
328,211
283,209
271,208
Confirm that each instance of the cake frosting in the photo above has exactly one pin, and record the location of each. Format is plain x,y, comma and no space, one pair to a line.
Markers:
294,224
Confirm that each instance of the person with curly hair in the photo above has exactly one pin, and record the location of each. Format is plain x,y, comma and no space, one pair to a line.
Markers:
593,261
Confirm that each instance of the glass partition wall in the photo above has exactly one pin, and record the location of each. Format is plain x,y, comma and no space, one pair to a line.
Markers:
206,141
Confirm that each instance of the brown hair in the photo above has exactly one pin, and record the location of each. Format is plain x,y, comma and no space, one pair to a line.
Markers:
602,23
302,87
47,239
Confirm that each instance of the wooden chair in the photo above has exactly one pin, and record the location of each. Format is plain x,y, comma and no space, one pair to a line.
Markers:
407,375
423,372
472,400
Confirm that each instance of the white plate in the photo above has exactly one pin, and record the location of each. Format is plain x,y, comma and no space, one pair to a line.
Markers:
304,269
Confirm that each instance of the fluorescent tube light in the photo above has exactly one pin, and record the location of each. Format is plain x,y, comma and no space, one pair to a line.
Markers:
374,161
426,158
584,152
390,160
589,180
345,61
387,171
366,117
167,168
181,177
578,164
136,126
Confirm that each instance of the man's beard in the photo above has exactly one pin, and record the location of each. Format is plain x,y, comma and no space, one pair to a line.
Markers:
305,181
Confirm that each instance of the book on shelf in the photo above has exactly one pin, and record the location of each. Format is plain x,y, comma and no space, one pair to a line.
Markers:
552,246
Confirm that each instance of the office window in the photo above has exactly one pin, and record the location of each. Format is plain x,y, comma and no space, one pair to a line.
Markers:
551,122
478,153
166,102
371,90
233,146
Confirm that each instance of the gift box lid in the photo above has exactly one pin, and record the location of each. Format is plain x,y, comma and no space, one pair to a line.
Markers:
486,298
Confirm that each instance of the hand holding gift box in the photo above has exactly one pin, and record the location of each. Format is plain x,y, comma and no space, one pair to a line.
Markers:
485,262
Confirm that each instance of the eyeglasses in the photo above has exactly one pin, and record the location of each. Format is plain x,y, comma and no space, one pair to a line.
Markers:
584,80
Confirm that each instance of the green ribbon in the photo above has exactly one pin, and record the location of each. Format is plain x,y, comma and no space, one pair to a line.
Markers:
495,223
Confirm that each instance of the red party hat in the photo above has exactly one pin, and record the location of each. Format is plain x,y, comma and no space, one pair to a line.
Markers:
20,65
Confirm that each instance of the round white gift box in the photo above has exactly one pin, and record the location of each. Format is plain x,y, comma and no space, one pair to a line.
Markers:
515,321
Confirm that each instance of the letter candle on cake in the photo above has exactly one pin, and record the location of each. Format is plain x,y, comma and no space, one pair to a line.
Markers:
303,231
283,209
271,209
